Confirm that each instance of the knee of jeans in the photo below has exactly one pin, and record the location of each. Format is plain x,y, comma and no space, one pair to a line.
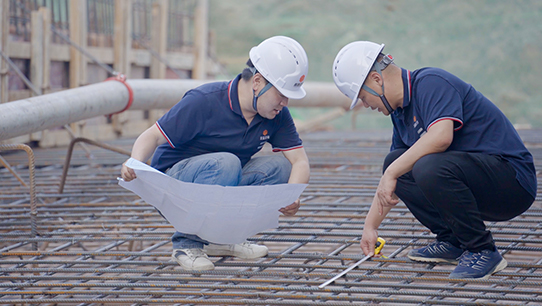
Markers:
268,170
226,161
283,169
228,166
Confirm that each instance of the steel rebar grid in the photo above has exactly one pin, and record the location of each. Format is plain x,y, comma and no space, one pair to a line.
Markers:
100,244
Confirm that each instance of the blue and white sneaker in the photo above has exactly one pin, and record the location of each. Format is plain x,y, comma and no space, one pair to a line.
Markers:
438,251
479,265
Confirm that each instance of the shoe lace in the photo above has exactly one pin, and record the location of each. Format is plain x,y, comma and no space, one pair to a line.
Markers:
473,260
194,253
438,247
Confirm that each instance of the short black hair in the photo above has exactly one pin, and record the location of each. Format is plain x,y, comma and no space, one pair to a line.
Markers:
250,72
247,72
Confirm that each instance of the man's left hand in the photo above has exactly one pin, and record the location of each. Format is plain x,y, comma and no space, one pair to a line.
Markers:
291,209
385,193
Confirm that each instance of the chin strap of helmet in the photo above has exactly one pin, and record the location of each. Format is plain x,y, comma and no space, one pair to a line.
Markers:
379,66
266,88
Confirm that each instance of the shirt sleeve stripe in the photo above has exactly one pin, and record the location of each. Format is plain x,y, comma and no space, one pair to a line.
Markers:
286,149
164,133
447,118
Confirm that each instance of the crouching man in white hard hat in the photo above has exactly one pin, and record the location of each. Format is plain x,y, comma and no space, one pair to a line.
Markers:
210,136
455,159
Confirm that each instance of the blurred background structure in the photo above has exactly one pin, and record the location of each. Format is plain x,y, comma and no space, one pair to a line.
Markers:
58,44
69,235
53,45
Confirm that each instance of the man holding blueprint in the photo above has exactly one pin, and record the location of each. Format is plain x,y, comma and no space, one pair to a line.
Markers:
211,135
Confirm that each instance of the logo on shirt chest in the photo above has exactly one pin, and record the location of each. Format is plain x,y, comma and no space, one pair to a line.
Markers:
263,139
420,130
264,136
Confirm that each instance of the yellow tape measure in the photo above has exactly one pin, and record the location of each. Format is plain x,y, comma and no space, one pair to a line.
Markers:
378,247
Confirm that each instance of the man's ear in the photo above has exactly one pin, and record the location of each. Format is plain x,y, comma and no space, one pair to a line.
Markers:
256,80
376,77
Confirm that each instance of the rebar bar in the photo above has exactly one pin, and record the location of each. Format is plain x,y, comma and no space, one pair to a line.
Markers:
31,169
99,244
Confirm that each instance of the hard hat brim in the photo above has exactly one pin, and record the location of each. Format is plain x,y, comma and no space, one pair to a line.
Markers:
354,101
293,94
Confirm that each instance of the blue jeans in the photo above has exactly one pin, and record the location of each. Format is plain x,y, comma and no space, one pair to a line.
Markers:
225,169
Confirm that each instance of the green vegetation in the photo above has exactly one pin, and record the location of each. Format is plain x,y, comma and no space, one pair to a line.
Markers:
496,45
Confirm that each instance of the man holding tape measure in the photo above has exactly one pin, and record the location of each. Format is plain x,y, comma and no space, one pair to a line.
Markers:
455,161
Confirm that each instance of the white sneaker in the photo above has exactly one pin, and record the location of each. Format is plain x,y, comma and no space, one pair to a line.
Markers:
245,250
192,259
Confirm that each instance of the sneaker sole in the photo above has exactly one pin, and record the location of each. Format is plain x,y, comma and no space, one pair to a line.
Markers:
425,259
204,268
499,267
502,264
226,253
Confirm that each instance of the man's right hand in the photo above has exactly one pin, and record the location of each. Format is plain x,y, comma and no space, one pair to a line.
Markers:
368,241
126,173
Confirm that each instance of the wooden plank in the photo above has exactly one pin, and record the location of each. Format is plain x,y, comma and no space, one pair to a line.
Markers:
140,57
21,49
122,50
36,59
201,40
83,42
4,33
103,54
21,94
159,38
78,35
123,36
75,55
47,18
181,60
36,50
159,42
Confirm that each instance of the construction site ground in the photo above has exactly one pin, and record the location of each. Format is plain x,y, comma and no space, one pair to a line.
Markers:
99,244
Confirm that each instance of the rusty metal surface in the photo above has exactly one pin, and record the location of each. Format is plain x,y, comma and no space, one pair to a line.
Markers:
100,244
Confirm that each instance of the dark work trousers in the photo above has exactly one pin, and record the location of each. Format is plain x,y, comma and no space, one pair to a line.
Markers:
452,193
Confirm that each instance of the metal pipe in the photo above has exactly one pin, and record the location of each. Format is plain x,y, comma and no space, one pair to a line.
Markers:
52,110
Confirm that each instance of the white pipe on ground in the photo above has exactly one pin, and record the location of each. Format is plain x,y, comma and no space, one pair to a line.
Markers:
57,109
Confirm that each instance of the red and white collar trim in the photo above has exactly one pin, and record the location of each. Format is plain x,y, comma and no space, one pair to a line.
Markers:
229,94
409,85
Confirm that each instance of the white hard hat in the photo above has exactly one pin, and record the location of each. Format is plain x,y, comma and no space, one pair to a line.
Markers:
352,65
283,62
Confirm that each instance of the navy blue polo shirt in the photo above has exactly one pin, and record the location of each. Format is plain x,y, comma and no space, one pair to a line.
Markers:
208,119
432,95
